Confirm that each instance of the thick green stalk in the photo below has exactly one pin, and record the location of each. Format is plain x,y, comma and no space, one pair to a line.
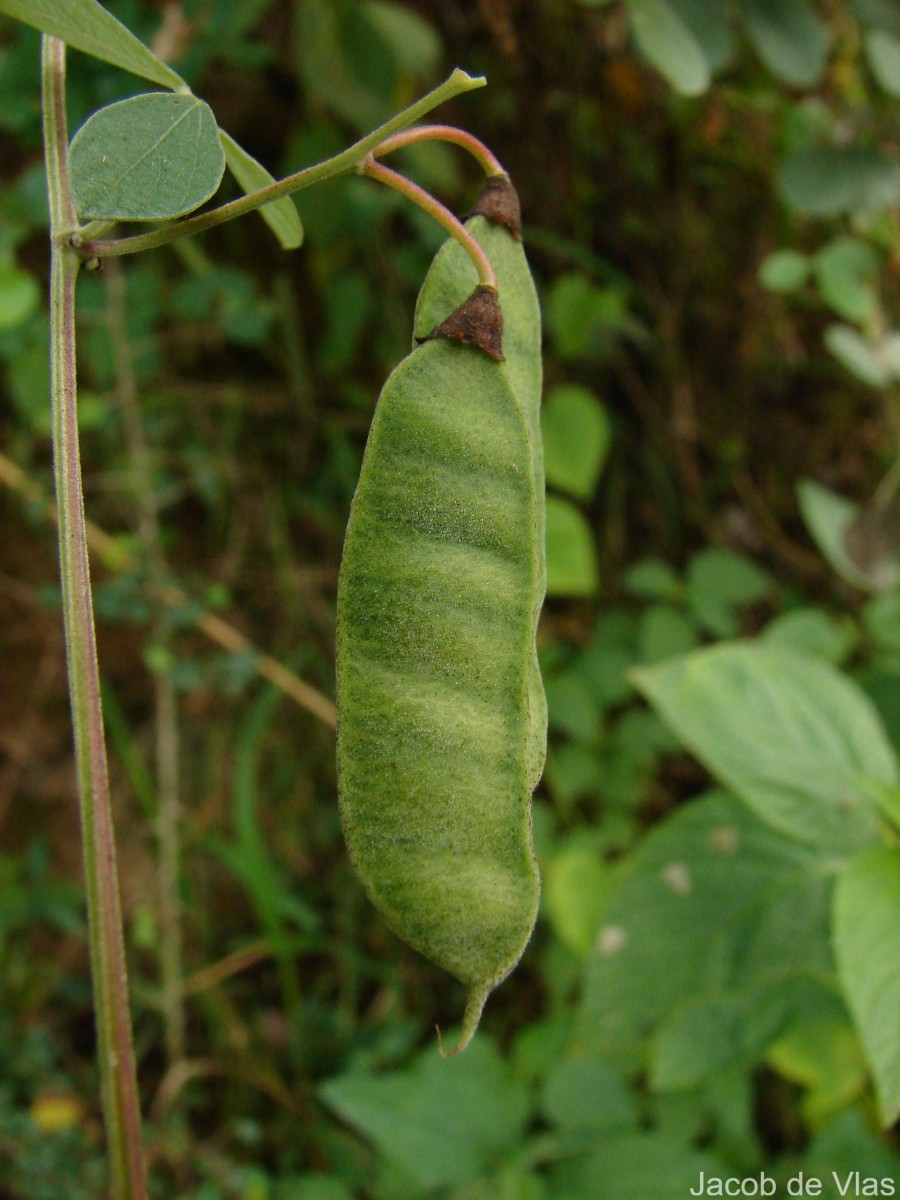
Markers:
115,1053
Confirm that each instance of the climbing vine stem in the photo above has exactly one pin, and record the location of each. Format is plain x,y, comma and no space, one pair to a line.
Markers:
121,1108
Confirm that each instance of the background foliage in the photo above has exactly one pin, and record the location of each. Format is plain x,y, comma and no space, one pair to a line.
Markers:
710,193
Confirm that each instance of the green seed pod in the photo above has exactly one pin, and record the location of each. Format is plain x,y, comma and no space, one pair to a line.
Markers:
449,281
435,631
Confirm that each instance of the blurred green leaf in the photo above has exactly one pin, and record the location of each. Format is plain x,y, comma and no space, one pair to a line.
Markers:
668,43
812,631
794,738
575,890
581,1093
576,438
828,518
20,294
653,579
824,1056
710,23
634,1166
664,631
583,319
881,620
845,271
571,705
883,53
86,25
826,181
867,944
718,583
444,1121
784,271
712,903
789,37
857,354
571,557
149,158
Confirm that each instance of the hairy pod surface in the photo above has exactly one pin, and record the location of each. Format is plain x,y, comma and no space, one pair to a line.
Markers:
435,634
449,281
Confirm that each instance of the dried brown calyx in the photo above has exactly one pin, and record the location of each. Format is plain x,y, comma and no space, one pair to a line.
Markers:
477,322
499,202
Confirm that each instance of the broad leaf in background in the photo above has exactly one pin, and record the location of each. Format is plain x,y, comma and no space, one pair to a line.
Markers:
823,1055
634,1166
873,363
571,558
883,53
712,906
149,158
574,892
830,519
20,294
710,23
825,181
867,945
280,215
576,437
86,25
718,583
789,38
812,631
791,736
668,43
444,1121
846,270
784,271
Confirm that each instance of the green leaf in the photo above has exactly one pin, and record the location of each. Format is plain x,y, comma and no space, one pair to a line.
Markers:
443,1121
710,23
149,158
829,517
822,1055
584,1094
280,215
571,557
718,583
87,26
584,319
881,620
795,739
883,53
867,945
634,1166
789,38
653,579
845,271
664,631
20,295
712,903
784,271
880,14
812,631
576,439
856,354
576,886
825,181
668,43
